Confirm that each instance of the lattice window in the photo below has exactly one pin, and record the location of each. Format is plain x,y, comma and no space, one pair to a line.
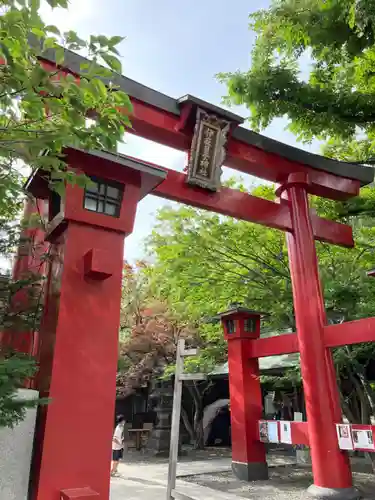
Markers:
231,326
104,197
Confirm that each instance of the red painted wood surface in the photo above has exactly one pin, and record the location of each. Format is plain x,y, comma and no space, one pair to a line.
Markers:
246,404
352,332
79,494
33,236
160,126
80,325
332,232
274,346
300,433
244,206
254,161
79,350
227,201
79,347
244,388
331,467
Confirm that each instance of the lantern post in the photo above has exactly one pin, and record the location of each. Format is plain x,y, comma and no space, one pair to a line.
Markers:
241,326
80,323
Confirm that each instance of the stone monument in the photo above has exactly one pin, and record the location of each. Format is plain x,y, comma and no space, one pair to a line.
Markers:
162,395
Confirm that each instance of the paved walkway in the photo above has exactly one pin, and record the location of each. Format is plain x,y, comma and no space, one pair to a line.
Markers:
147,481
212,480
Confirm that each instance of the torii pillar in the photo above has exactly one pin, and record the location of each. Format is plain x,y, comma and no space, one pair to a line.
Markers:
331,466
79,330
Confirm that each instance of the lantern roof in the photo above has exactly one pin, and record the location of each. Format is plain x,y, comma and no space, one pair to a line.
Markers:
151,175
240,310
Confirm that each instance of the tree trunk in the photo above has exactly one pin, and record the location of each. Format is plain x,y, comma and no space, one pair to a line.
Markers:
189,428
198,429
345,407
368,392
198,415
368,401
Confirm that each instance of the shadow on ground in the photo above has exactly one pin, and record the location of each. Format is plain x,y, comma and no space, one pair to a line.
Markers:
291,479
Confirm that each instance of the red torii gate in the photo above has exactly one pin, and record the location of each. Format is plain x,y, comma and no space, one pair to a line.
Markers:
78,337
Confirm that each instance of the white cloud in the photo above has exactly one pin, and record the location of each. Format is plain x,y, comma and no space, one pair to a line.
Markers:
165,157
153,152
160,155
73,18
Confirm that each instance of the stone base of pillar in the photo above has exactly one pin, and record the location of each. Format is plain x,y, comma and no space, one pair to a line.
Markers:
254,471
320,493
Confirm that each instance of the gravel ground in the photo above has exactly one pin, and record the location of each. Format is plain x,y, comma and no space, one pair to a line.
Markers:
188,455
286,482
191,455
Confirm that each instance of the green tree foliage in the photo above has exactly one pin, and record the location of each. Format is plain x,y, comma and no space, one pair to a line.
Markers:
205,262
313,62
149,331
41,112
13,371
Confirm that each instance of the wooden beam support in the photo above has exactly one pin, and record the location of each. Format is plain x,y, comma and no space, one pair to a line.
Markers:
352,332
234,203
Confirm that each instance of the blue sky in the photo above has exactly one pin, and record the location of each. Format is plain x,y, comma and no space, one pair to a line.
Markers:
175,47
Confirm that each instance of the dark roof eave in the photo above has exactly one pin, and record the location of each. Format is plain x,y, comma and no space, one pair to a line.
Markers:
136,90
362,173
152,175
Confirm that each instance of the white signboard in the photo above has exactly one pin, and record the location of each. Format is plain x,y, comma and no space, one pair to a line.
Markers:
273,432
263,431
344,436
285,432
268,431
363,439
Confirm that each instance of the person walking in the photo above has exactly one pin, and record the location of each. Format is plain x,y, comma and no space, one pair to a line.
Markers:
117,444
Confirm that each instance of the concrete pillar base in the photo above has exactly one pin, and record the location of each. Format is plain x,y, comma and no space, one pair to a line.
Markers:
321,493
16,447
254,471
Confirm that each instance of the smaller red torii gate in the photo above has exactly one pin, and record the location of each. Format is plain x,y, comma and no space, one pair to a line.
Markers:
77,344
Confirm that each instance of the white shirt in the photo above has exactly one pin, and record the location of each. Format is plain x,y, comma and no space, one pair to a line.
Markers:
118,436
